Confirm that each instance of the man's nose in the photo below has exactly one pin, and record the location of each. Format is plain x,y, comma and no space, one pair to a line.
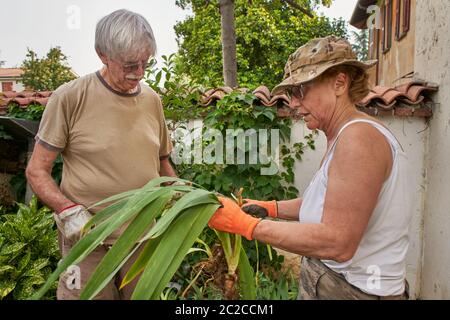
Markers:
140,71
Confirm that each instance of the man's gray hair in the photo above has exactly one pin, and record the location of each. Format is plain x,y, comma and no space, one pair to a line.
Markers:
124,32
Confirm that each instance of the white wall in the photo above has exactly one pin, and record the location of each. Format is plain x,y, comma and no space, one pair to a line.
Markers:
432,63
18,86
412,134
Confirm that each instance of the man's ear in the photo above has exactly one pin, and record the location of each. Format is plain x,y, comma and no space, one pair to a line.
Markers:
341,84
102,57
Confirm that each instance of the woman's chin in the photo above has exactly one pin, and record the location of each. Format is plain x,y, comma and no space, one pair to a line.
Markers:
311,125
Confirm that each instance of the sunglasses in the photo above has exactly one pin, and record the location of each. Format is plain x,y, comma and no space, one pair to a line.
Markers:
299,91
132,67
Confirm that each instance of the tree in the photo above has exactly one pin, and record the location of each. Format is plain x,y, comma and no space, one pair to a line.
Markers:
267,31
361,43
47,73
228,42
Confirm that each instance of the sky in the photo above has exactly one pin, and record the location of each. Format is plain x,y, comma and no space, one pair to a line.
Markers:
70,24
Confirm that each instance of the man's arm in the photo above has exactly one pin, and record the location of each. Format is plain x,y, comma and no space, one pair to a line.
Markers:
39,176
165,168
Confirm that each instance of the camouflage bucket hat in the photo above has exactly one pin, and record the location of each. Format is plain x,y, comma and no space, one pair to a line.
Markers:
314,58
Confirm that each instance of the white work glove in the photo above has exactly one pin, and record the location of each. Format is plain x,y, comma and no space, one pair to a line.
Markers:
71,221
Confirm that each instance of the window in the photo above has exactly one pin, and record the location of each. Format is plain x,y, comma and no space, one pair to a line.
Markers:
402,18
7,86
406,15
386,39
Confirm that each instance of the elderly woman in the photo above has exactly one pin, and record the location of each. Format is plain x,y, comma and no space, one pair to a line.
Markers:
111,133
352,223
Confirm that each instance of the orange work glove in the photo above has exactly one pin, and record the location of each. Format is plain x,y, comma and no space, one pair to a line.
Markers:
230,218
260,209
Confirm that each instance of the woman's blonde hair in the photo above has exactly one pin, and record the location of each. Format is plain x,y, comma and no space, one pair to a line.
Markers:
359,80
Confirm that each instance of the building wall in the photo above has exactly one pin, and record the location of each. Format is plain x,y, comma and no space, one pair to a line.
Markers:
412,133
432,62
399,60
16,85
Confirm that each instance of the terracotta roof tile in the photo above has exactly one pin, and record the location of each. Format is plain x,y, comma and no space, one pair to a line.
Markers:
11,72
23,99
9,94
264,96
412,93
410,99
262,93
215,94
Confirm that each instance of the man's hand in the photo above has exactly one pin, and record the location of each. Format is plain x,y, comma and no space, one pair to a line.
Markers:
230,218
71,220
260,209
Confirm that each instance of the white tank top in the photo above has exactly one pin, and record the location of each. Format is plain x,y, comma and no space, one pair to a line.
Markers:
378,266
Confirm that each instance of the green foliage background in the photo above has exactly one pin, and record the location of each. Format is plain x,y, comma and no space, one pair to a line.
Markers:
267,32
28,250
47,73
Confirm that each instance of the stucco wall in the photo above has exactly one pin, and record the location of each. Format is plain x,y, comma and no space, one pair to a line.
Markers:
432,62
18,86
412,133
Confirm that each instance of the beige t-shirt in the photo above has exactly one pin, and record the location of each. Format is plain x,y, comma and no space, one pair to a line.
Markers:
110,142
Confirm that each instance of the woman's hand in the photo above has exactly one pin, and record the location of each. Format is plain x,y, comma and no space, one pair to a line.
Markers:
230,218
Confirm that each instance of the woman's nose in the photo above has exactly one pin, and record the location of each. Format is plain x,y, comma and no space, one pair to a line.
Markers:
294,103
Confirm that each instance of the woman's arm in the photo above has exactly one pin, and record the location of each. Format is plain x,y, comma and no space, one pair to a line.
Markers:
289,209
361,163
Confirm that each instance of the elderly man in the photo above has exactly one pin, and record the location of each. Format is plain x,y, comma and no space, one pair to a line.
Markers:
111,133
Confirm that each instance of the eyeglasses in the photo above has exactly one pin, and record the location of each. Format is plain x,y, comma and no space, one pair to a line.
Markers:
132,67
299,91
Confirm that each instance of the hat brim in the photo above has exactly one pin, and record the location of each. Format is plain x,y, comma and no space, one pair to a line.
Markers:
311,72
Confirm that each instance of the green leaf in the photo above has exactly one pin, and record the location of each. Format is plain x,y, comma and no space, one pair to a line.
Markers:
24,261
269,114
12,249
141,261
105,270
5,269
189,200
246,277
171,250
6,286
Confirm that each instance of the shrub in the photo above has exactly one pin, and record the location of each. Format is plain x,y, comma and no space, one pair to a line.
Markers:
28,250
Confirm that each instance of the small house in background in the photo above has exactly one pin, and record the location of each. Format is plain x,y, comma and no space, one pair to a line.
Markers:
10,79
411,41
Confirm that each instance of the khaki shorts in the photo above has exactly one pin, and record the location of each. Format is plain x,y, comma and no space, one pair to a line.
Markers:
318,282
73,281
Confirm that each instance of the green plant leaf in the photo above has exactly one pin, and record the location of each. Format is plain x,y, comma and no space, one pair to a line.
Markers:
171,250
105,270
6,286
141,261
246,277
191,199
